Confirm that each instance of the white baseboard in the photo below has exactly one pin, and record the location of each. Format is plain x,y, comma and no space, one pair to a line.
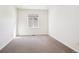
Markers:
5,44
63,43
31,35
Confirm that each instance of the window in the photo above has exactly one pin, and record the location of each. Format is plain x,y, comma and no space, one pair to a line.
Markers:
33,21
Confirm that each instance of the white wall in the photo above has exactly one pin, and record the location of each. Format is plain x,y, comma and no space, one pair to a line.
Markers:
24,29
7,24
64,25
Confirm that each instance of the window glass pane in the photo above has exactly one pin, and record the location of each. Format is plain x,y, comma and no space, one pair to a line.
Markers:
33,21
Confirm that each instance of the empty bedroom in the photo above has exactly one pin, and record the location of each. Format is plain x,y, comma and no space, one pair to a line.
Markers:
39,28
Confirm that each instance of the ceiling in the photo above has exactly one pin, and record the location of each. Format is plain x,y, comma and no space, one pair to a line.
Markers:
32,7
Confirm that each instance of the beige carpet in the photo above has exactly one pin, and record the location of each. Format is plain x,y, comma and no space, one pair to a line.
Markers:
35,44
